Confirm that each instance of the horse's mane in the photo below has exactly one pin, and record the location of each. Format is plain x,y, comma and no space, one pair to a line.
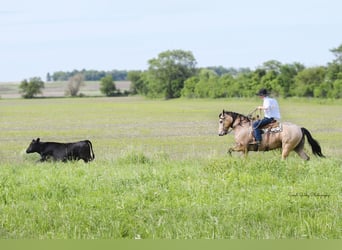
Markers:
235,115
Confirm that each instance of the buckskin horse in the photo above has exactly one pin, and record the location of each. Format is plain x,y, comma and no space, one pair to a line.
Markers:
286,136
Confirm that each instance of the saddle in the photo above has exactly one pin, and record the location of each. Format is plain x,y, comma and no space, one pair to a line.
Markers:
273,127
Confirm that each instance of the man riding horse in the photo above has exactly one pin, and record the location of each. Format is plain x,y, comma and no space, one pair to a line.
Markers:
271,113
287,136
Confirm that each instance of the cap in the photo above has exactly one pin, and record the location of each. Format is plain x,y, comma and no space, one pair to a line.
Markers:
262,92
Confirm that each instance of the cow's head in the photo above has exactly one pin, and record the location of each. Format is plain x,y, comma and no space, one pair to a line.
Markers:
34,146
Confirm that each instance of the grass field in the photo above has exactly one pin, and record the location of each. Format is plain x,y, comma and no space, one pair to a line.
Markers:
161,171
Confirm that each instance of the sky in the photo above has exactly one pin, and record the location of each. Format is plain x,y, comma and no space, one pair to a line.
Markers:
39,36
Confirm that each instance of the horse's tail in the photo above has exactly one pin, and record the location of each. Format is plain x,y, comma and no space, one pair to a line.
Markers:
92,155
316,148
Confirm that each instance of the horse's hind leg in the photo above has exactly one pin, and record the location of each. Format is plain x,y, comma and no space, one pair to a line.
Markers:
299,149
285,153
286,149
303,155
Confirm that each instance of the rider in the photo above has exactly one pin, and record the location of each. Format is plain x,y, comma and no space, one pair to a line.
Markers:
271,113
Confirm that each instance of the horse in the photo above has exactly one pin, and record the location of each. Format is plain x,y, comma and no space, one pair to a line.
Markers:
287,136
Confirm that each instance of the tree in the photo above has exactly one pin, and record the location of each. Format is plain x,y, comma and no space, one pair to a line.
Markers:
48,77
190,87
338,54
207,81
286,78
308,82
138,85
168,72
334,74
59,76
30,88
272,65
107,86
74,84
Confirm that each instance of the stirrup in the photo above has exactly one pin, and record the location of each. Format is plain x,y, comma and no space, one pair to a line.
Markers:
255,143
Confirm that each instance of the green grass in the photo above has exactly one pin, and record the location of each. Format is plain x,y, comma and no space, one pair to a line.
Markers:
161,171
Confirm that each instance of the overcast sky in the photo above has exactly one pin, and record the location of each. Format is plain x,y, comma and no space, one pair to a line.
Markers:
40,36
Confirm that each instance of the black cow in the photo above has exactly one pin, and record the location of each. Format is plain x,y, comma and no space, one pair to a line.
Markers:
62,151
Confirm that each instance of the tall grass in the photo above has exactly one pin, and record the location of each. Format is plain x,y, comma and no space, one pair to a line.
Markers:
161,171
144,197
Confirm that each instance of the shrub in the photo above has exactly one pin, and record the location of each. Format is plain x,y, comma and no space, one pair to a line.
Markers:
107,86
30,88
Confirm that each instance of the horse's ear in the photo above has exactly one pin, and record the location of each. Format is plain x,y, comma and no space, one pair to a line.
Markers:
38,139
223,111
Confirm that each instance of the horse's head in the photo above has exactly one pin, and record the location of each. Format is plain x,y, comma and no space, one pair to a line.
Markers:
225,122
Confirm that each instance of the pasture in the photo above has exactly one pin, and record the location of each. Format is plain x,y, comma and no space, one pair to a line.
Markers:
162,172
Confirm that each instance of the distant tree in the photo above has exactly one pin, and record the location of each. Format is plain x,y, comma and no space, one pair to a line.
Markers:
118,75
272,65
220,70
227,85
337,88
338,54
60,76
168,72
138,85
74,85
190,87
30,88
89,75
48,77
107,86
207,81
309,81
286,79
334,74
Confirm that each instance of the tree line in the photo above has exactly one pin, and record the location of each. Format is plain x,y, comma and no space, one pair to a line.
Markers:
33,87
174,74
88,75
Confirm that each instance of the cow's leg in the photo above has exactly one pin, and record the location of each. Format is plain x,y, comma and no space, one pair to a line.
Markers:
56,157
43,158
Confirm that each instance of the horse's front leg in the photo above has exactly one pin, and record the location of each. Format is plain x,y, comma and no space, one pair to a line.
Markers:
238,147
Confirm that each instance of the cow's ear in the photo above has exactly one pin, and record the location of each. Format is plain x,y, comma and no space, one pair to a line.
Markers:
38,139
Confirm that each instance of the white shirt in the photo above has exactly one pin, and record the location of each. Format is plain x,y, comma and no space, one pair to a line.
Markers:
271,108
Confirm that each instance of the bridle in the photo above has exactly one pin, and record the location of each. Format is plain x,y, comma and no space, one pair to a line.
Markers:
234,117
222,118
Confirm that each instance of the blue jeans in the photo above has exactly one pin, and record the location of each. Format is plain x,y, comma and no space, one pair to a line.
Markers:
258,124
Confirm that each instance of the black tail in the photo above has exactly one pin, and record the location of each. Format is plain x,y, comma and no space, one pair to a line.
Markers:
92,155
316,148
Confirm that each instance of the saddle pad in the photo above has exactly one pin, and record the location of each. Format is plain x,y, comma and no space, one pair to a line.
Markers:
274,128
